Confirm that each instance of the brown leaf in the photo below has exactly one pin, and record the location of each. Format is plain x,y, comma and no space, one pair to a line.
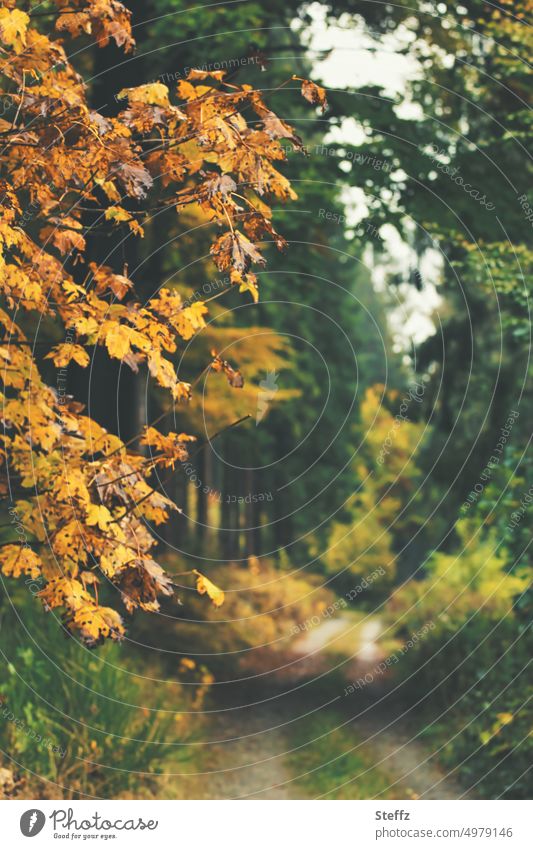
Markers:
135,178
234,376
314,93
219,184
278,129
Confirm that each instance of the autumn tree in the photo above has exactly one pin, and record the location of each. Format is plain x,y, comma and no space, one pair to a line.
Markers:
300,454
82,499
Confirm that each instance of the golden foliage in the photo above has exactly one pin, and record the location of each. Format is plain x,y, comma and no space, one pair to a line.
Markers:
83,496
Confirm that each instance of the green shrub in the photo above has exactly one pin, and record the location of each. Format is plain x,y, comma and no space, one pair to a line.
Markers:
73,721
470,671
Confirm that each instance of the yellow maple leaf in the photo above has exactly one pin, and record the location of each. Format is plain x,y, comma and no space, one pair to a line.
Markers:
204,585
13,26
114,196
154,94
71,484
95,623
187,91
114,561
249,284
64,353
98,514
64,592
117,213
87,326
16,560
136,229
162,370
181,391
118,341
195,313
69,543
190,319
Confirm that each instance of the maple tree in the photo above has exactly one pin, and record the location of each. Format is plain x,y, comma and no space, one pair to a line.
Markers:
80,492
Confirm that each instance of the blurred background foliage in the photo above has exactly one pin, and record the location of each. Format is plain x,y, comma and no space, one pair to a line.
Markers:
340,506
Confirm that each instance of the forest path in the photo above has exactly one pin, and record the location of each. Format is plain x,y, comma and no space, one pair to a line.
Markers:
380,723
392,738
250,752
246,758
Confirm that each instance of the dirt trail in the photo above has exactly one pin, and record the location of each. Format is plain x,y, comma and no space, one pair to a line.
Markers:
247,758
319,637
408,760
363,641
393,738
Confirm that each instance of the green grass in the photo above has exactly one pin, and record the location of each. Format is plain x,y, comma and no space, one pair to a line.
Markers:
324,765
111,734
